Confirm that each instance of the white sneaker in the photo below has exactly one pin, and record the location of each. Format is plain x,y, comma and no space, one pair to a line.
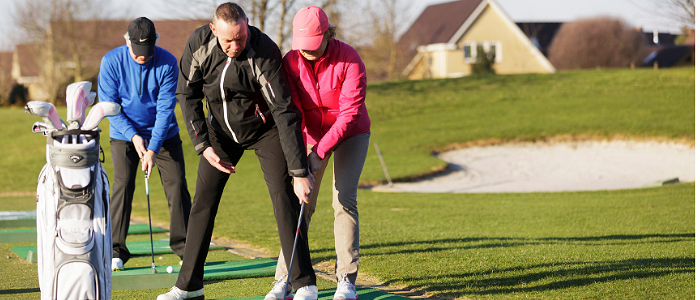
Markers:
279,292
177,294
309,292
345,290
117,264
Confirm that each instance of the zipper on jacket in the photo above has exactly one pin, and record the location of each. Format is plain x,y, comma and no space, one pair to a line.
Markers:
313,69
258,112
223,97
140,80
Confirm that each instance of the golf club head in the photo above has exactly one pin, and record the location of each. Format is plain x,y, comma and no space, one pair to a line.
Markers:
39,127
99,112
77,100
46,111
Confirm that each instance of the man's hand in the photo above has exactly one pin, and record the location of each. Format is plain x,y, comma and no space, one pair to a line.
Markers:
216,162
139,145
315,162
147,162
303,187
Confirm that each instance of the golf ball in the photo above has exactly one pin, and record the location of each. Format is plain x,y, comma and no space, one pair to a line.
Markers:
169,269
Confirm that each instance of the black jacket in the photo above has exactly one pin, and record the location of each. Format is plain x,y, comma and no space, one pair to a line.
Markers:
256,96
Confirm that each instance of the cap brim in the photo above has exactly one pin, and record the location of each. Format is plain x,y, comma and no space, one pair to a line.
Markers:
310,43
143,50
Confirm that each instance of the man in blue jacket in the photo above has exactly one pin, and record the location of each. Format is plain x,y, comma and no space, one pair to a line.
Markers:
142,78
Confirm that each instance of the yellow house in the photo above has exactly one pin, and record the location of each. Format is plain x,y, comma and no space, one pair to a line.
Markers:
443,41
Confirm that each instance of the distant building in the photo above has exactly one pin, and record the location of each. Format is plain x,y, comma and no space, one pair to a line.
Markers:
443,41
78,48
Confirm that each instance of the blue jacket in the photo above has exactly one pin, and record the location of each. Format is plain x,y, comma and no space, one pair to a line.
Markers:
145,92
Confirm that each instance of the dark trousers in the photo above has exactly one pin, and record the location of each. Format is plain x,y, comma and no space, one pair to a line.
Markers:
210,186
171,167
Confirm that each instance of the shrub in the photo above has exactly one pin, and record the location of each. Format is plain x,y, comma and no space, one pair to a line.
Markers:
594,43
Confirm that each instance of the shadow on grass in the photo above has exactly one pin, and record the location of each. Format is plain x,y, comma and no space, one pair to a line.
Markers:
506,242
19,291
530,278
572,274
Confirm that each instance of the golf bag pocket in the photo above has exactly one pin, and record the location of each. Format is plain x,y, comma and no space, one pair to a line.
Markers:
77,280
74,240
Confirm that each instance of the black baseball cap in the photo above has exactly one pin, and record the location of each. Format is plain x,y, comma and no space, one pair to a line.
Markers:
142,34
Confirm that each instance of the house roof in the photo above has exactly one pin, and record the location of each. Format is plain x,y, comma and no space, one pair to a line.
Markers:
669,56
101,36
437,24
540,33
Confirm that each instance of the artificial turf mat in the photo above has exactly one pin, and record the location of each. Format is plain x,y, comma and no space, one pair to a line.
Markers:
29,235
136,248
143,278
362,293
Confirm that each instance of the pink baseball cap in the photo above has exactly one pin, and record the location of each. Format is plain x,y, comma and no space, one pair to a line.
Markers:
308,27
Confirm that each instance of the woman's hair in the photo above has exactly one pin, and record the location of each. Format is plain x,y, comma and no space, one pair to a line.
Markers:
330,33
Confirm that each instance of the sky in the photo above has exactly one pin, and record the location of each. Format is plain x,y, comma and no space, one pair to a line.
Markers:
638,13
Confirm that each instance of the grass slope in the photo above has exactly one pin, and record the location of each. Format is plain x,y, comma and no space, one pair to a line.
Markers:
630,244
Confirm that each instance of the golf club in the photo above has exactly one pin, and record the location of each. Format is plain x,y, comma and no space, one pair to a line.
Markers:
99,112
150,229
38,127
296,237
76,102
46,111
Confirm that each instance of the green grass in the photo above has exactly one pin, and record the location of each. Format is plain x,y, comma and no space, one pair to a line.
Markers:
627,244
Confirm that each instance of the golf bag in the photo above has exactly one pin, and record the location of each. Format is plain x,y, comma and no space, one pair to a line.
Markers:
74,240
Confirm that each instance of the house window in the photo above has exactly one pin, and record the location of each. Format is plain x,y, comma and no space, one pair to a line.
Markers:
490,48
468,52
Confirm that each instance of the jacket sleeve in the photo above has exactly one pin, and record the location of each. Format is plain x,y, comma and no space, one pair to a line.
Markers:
287,116
108,90
190,94
288,61
352,96
165,103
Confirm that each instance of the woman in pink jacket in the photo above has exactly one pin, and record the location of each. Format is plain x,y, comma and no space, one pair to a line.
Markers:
328,83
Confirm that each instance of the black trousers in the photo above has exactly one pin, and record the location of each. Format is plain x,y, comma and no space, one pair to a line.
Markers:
210,186
171,167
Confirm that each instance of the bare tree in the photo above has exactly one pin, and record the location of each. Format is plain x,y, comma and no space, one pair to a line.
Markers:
382,56
598,42
682,11
53,24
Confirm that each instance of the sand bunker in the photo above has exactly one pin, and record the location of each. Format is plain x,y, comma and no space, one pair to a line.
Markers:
552,167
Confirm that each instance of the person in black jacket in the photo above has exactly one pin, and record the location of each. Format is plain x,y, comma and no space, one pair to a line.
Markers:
238,69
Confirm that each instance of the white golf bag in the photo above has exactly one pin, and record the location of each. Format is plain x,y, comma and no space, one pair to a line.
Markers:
74,236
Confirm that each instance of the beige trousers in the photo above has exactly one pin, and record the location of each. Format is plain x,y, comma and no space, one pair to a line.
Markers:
348,160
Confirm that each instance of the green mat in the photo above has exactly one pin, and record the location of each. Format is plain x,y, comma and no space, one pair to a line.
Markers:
143,229
159,247
362,293
29,235
143,278
136,248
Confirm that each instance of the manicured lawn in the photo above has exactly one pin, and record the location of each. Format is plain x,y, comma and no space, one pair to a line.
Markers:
628,244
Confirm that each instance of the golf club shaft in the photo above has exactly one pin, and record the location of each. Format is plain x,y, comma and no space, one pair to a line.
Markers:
150,229
296,238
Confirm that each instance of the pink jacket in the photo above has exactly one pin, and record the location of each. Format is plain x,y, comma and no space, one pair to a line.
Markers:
331,96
